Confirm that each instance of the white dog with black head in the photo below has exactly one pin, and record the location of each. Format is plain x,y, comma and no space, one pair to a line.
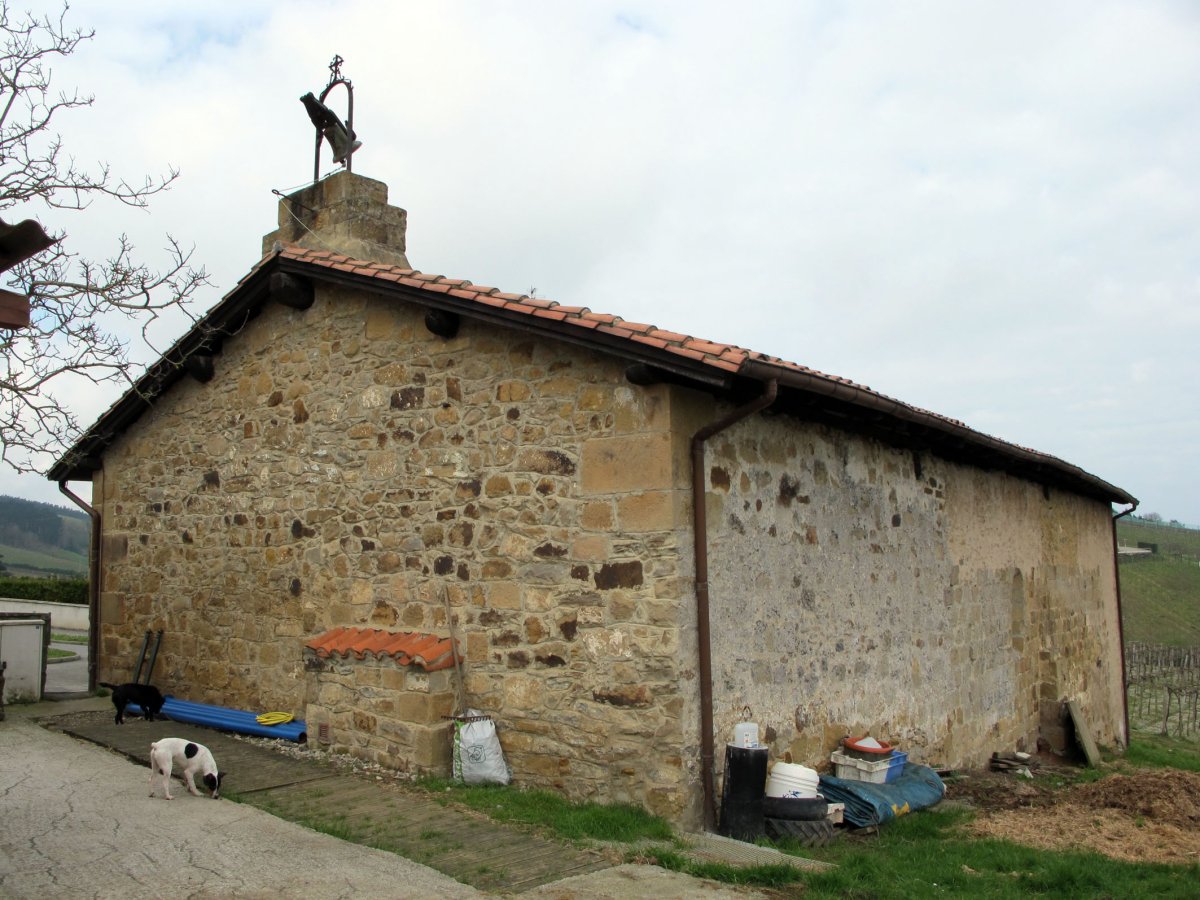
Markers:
192,759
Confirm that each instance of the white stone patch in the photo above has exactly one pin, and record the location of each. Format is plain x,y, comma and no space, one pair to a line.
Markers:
608,644
453,465
374,397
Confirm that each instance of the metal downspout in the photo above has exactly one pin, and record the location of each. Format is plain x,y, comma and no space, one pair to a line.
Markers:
1121,620
703,636
93,585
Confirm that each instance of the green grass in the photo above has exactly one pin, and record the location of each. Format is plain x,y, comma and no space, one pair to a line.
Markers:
1160,599
69,638
574,821
58,561
1158,751
926,855
55,653
1170,541
774,876
1160,596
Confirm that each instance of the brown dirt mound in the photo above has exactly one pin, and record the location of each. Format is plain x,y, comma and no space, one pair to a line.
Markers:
1148,816
1169,796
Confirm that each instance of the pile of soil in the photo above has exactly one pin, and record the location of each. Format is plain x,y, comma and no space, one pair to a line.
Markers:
1148,815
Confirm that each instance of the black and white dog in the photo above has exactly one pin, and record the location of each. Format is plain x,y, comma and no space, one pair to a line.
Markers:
193,759
147,696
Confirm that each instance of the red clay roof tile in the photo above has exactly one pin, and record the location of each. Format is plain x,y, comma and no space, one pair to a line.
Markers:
725,357
652,341
722,357
619,332
603,318
430,652
672,336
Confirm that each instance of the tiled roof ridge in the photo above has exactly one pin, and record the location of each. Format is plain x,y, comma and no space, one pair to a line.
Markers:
726,357
409,648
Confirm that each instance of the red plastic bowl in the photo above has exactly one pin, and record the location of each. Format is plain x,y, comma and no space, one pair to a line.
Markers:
873,753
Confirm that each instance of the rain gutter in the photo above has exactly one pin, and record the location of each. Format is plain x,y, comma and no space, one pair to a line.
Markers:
703,634
93,585
1121,619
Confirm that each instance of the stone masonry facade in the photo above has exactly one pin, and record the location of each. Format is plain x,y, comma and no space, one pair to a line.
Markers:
346,467
935,605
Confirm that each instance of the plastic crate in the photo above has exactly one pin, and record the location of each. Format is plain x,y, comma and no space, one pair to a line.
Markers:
897,760
881,772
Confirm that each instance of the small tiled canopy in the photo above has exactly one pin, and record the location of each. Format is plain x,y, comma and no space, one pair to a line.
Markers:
408,648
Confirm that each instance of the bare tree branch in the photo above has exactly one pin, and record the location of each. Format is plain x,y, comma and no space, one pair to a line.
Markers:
79,307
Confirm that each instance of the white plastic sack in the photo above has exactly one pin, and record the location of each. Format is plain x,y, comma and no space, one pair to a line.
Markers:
478,758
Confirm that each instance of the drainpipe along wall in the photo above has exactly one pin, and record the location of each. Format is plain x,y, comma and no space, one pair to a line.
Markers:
93,585
1121,619
703,636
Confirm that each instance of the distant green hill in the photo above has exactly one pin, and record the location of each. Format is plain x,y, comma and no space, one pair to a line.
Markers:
1160,595
1171,540
43,540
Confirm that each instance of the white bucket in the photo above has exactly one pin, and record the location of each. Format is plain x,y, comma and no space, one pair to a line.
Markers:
789,780
745,734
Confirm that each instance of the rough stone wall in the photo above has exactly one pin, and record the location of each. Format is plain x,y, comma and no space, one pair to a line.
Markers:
346,467
858,587
380,710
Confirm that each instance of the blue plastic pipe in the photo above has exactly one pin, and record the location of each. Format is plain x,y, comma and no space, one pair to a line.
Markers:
238,721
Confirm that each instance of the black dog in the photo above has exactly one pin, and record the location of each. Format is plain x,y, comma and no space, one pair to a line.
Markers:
146,696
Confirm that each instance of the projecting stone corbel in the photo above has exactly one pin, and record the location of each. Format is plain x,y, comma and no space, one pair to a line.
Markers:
291,291
200,367
443,324
644,375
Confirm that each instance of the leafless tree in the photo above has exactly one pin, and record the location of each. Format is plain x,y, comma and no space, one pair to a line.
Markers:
80,309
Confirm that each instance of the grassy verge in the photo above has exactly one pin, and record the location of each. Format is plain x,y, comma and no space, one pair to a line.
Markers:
69,638
1159,751
1157,597
54,560
55,653
572,821
925,854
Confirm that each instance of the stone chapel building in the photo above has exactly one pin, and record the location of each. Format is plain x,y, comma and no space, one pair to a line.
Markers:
349,470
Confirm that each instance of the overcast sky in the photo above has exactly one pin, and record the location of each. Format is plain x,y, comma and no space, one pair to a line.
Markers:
988,210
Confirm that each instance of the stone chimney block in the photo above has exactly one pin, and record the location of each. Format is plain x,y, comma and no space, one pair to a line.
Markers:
345,213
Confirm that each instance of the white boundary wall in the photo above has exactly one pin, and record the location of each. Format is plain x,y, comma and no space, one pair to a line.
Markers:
71,616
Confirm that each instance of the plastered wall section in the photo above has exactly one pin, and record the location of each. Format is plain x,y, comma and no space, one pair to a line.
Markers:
861,588
345,467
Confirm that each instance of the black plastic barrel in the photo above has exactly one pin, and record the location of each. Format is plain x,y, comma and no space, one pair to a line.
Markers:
742,792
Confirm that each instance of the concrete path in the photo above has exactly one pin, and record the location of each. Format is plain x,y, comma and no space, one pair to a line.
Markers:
70,677
76,821
460,844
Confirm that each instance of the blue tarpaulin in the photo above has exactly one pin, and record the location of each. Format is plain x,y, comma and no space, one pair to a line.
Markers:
873,804
236,720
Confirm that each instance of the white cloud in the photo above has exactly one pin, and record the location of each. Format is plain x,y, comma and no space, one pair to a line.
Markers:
988,210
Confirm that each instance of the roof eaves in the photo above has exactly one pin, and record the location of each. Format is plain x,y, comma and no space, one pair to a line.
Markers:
550,321
229,315
940,432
